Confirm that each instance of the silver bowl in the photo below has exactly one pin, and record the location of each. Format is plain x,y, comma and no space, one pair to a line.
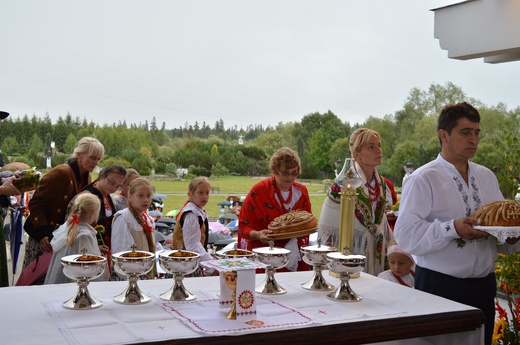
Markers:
235,253
178,262
345,264
83,268
316,256
132,264
274,258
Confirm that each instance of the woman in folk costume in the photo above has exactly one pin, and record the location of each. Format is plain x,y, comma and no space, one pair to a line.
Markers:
54,192
372,233
110,179
271,198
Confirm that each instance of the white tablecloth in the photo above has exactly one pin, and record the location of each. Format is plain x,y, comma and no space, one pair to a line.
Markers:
26,318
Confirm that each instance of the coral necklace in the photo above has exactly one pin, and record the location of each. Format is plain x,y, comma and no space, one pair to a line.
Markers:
283,200
400,280
375,191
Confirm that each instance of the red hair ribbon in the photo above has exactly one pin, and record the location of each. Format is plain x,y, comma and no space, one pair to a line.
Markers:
146,226
75,219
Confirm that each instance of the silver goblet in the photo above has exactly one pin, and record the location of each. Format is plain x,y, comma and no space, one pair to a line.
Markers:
178,262
83,268
345,264
133,264
316,256
274,258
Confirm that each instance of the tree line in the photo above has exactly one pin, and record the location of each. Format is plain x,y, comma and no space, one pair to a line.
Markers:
321,140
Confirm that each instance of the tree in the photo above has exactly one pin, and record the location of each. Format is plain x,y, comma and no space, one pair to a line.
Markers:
70,144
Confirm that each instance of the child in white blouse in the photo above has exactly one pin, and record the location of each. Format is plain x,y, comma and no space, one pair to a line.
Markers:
401,264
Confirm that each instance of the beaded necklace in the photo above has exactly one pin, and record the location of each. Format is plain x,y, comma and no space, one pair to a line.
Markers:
373,191
283,200
400,280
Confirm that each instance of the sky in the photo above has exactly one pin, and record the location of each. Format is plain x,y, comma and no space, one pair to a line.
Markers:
247,62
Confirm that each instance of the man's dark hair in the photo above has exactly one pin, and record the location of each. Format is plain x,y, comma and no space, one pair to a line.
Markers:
3,115
451,114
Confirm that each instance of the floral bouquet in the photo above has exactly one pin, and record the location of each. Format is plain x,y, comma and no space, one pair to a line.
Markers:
100,235
100,230
507,324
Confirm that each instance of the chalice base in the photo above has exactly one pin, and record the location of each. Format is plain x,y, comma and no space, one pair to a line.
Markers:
270,286
344,292
317,282
132,294
82,300
178,292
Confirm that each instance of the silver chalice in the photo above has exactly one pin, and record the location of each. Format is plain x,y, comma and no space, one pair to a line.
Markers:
178,262
83,268
316,256
132,264
345,264
274,258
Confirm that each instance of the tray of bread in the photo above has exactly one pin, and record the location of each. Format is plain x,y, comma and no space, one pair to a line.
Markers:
296,223
502,233
500,219
299,233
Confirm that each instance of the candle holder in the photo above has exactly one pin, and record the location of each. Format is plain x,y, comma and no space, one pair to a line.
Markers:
349,180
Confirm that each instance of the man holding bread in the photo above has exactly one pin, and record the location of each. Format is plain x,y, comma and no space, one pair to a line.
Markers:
435,222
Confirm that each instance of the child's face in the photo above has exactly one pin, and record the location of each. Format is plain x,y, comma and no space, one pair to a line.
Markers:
400,264
141,198
200,196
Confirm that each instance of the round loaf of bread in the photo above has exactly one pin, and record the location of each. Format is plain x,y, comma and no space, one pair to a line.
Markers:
293,221
499,213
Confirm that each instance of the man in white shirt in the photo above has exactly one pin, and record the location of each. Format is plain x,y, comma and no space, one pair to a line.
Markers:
453,259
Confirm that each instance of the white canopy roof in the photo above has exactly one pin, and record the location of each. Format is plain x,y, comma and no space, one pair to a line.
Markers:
480,28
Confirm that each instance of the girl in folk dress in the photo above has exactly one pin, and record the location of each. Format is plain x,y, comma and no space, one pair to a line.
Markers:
401,264
191,230
77,233
133,225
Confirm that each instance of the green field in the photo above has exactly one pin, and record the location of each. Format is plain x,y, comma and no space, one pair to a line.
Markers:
176,192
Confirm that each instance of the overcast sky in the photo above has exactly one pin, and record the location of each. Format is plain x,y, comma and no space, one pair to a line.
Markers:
243,61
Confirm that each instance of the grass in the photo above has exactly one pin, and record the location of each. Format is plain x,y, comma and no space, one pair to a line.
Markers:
176,192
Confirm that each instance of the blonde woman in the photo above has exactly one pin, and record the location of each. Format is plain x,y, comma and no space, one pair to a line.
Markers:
372,233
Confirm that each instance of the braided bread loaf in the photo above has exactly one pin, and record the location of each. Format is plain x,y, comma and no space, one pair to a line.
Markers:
293,221
499,213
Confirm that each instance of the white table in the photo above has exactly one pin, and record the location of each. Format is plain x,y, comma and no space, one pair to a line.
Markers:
418,317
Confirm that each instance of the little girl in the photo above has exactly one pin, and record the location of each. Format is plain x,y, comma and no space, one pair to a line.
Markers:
191,230
401,264
133,225
77,233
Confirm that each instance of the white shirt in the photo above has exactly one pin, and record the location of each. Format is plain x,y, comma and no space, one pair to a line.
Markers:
434,196
86,238
408,279
191,231
123,223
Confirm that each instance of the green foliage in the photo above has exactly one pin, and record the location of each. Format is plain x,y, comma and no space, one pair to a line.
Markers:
409,134
218,170
171,169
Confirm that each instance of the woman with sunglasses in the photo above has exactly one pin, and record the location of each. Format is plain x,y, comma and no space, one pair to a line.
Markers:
109,181
271,198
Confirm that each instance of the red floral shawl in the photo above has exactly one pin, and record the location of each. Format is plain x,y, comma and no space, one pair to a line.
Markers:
260,208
